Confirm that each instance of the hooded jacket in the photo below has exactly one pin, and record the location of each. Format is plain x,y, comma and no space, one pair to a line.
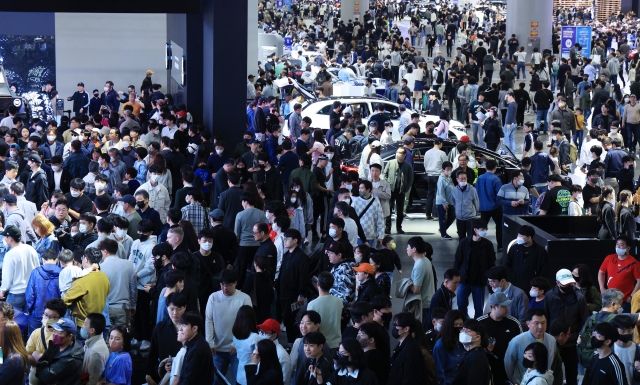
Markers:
43,285
534,377
142,263
571,306
61,368
465,202
37,188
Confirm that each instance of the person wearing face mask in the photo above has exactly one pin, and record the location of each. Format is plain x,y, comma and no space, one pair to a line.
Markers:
270,330
399,174
575,205
51,146
466,204
620,271
367,286
369,337
94,103
606,367
105,228
245,221
42,285
434,160
564,301
61,363
474,369
433,334
535,360
525,259
443,201
448,351
41,337
407,364
350,366
96,350
624,347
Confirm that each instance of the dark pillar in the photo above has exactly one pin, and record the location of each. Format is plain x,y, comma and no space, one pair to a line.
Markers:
224,63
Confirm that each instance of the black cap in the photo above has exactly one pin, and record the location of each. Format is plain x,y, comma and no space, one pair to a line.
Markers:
10,198
13,232
80,84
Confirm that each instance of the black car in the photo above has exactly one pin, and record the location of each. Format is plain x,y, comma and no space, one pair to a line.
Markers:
417,202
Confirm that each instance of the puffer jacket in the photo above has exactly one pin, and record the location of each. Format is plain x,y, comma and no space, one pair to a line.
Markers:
61,368
140,257
43,285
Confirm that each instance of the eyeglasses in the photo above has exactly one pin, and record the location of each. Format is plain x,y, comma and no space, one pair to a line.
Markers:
227,285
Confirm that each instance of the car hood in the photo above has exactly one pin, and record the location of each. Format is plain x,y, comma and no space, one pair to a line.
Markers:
289,82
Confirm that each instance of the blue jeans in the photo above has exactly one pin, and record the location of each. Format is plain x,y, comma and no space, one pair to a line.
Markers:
541,115
578,138
224,361
463,298
478,134
413,41
18,301
521,66
439,39
554,80
509,140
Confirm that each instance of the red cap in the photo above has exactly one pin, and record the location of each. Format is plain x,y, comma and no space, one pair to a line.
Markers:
465,139
270,326
181,114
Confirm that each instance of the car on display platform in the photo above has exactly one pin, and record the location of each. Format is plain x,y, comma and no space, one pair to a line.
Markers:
418,197
320,109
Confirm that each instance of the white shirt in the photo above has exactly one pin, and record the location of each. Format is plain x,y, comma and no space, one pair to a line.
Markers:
176,365
626,355
158,199
585,152
169,132
18,264
7,122
57,175
352,230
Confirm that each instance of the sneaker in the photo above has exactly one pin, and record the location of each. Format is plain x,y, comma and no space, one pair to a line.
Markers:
387,231
429,217
446,237
400,231
145,345
435,219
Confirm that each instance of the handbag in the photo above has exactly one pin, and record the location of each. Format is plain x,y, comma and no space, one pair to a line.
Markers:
596,60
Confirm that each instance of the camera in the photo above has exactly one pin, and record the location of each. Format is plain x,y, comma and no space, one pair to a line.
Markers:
58,232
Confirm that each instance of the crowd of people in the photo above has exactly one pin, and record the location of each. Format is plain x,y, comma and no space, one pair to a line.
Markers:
128,228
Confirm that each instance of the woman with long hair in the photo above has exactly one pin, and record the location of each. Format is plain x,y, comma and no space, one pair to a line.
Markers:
119,367
270,372
422,338
15,365
318,146
443,127
448,352
305,201
536,361
259,286
606,215
373,157
242,170
382,278
351,365
44,229
165,176
245,336
582,275
295,211
190,236
625,219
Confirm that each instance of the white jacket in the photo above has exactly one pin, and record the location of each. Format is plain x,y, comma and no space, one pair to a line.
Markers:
140,257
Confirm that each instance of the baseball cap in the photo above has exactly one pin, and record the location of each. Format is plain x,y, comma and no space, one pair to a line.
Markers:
499,299
373,123
365,268
35,158
217,214
270,326
464,139
334,247
14,146
81,84
565,277
322,157
388,123
250,76
181,114
376,144
13,232
408,140
78,131
65,325
632,96
128,199
10,198
254,140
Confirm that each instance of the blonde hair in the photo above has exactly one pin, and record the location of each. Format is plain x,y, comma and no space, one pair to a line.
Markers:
43,225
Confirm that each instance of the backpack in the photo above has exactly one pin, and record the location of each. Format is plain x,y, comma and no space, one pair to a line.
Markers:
573,152
585,350
440,78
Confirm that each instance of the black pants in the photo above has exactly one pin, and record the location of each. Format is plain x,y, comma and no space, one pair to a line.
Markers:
289,319
319,204
432,186
569,356
397,199
496,215
243,261
492,146
395,71
464,228
142,327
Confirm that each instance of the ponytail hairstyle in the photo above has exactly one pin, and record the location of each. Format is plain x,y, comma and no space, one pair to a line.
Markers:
606,191
623,198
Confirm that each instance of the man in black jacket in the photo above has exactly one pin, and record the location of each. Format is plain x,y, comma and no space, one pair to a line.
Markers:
197,365
80,101
443,297
293,280
225,241
85,236
365,274
164,342
471,268
37,186
407,366
474,368
269,175
564,301
525,259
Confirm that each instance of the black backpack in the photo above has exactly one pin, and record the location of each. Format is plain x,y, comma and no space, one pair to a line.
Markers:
440,78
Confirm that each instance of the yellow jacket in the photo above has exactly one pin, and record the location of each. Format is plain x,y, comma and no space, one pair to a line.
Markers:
87,294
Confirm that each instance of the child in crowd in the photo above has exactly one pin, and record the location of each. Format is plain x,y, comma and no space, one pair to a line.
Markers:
539,288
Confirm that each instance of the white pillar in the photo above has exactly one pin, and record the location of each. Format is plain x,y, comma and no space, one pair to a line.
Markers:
530,19
252,37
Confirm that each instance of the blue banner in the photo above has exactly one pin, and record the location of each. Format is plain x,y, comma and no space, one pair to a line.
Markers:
288,42
572,35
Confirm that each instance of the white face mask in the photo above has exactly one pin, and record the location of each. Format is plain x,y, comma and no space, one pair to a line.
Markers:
121,233
55,168
186,199
438,326
464,338
75,138
462,184
100,186
329,156
579,196
126,144
219,152
14,154
520,241
333,233
153,178
358,258
533,293
73,233
75,194
4,243
349,186
106,89
293,200
482,233
626,100
206,246
51,138
83,228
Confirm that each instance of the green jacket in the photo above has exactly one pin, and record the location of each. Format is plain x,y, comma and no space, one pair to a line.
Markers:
406,173
307,177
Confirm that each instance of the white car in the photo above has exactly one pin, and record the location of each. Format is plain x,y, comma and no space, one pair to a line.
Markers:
320,109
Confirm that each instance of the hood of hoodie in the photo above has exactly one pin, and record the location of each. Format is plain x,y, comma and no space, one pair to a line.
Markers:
49,272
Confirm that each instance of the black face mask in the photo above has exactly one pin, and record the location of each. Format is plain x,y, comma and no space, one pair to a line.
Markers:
261,165
343,361
527,363
140,205
395,333
96,95
143,237
386,318
458,329
202,167
624,338
568,289
596,343
247,141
